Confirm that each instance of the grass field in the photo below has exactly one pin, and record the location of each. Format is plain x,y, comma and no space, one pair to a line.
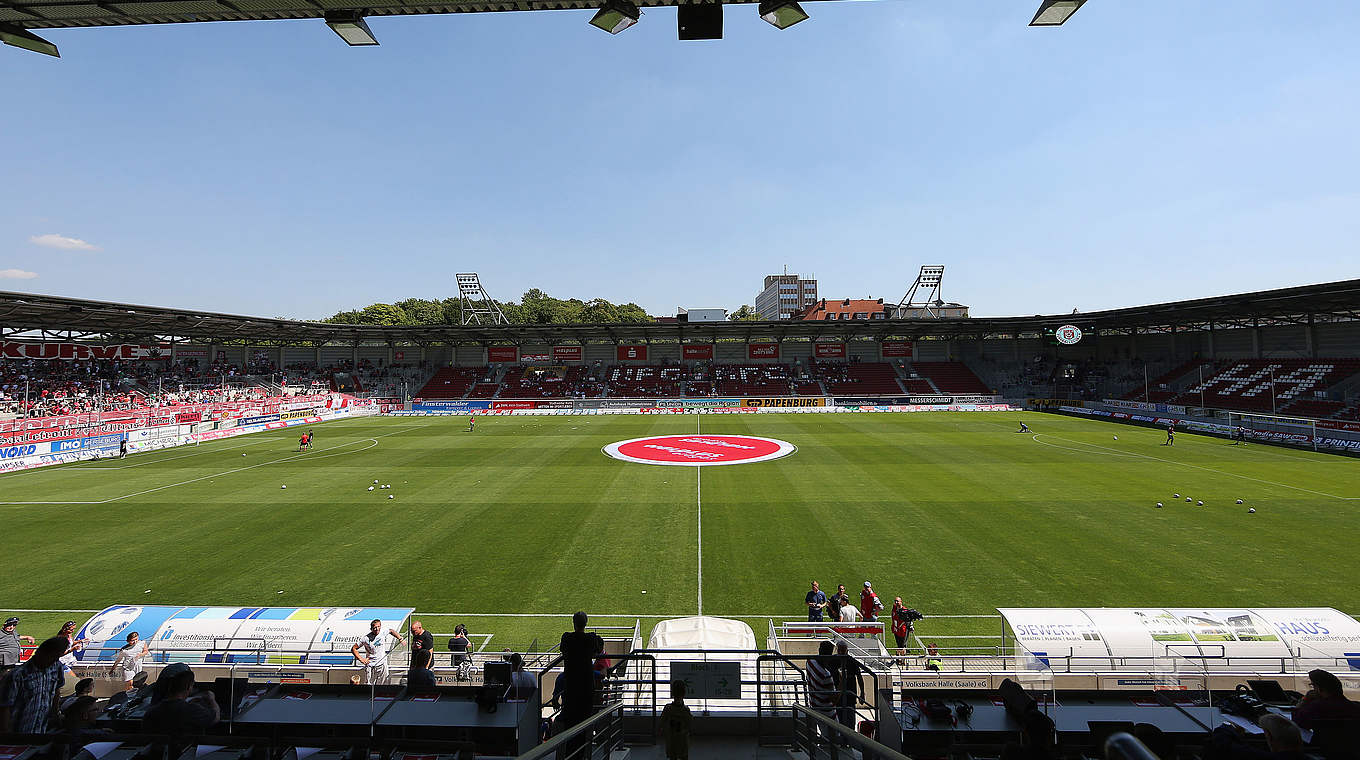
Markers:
955,512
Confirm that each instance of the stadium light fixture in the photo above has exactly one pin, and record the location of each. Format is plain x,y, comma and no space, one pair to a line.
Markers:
22,38
615,16
1056,12
351,27
782,14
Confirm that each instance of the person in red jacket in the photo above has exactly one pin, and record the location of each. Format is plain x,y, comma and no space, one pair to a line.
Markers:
869,604
900,626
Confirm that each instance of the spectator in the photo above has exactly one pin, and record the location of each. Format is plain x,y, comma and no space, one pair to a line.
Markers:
1325,701
177,713
816,602
869,605
28,697
933,661
1037,740
1283,741
579,649
128,662
371,651
422,641
73,645
84,688
849,613
822,682
851,685
835,601
77,721
522,682
675,723
11,644
419,674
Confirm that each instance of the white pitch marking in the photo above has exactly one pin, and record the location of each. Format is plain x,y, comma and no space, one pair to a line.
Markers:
1200,467
231,472
699,500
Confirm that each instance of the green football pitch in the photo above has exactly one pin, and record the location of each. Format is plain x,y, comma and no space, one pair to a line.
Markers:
526,520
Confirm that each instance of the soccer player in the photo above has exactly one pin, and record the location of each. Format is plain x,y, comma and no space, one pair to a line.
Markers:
302,442
310,435
1023,428
472,423
1240,436
1170,435
122,448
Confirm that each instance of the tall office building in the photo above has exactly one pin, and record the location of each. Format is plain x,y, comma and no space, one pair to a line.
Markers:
785,295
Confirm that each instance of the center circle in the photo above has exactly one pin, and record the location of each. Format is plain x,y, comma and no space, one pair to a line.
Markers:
698,450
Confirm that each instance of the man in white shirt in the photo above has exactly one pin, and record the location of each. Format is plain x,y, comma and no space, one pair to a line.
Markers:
849,613
371,651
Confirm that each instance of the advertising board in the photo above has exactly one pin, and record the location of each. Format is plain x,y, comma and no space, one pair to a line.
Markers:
566,353
784,402
762,350
498,404
696,352
828,350
502,353
1144,406
530,356
631,353
451,405
897,349
297,414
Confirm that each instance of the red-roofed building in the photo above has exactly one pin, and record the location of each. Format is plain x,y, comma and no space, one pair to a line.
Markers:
844,309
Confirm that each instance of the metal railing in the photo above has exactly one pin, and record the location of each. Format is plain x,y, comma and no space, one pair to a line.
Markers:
816,733
602,732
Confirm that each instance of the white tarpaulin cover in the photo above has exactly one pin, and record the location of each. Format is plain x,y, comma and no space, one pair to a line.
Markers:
1182,638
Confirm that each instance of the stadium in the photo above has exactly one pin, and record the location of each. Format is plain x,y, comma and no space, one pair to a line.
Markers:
1010,478
1118,523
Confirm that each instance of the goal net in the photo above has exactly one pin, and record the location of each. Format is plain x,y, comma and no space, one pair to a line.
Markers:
1299,430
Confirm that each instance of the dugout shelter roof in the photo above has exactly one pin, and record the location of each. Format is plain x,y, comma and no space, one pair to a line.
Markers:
25,316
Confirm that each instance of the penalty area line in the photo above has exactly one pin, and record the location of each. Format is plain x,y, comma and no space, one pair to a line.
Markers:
1113,452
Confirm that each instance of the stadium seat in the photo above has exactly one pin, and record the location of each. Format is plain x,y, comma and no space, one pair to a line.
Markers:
951,377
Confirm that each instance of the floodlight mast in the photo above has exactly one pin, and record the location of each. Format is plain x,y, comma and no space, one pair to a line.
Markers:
924,293
475,302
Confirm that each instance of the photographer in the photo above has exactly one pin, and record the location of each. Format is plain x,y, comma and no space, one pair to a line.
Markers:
902,619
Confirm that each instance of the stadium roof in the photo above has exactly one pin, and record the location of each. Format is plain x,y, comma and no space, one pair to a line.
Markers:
25,316
347,18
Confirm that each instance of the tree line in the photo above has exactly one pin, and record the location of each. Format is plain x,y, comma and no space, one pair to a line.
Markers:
534,307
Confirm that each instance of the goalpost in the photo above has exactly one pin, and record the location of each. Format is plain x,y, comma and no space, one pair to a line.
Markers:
1274,423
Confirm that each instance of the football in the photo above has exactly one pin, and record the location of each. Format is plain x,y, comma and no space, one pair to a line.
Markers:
1175,496
1251,510
283,486
391,497
1159,505
1239,501
1200,503
1116,438
370,488
1188,499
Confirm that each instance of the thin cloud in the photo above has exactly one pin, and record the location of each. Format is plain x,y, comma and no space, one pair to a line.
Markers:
16,274
54,240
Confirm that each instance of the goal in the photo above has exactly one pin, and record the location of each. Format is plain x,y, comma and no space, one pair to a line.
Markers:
1273,423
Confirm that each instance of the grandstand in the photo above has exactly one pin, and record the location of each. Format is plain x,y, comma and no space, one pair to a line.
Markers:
535,520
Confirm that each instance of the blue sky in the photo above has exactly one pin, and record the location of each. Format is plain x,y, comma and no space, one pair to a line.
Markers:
1141,153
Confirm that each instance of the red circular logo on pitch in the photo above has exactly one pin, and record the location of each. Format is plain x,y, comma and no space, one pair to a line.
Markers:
698,450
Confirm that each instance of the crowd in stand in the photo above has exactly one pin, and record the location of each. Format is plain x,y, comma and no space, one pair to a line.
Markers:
40,388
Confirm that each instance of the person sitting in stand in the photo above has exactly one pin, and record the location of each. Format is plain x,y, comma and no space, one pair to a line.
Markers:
1325,701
